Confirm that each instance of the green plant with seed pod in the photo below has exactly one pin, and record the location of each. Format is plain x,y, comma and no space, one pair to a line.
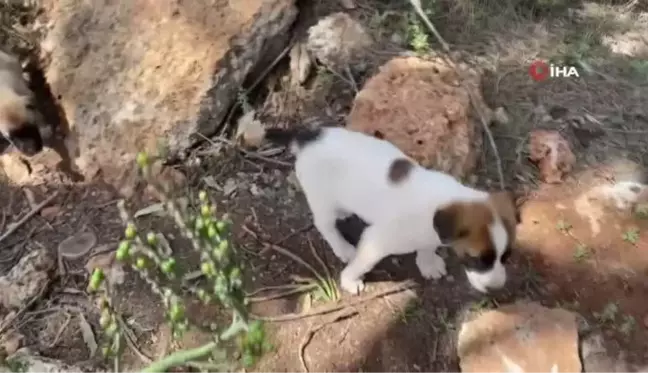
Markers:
220,265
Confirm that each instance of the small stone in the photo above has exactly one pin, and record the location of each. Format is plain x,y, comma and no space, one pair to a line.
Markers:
26,279
500,116
337,40
553,154
78,245
50,212
229,187
255,190
12,341
15,167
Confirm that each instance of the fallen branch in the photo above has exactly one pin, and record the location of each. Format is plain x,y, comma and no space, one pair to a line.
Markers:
13,227
419,9
311,333
181,357
406,285
297,290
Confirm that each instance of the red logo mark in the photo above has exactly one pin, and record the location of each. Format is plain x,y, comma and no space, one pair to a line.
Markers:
539,71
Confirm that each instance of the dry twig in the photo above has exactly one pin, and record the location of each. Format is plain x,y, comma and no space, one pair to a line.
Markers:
311,333
406,285
246,152
13,227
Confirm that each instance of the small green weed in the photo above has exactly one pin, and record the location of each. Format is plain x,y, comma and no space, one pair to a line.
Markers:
413,312
627,325
563,226
609,313
631,235
641,211
581,253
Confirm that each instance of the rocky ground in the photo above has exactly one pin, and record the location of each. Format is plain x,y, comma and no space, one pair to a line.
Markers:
581,258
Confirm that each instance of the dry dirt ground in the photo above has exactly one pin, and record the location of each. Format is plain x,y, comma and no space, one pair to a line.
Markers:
559,261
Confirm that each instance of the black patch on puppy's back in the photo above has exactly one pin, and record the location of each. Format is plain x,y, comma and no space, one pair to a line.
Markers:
351,228
399,169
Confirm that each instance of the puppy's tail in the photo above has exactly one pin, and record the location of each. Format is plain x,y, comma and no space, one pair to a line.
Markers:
295,138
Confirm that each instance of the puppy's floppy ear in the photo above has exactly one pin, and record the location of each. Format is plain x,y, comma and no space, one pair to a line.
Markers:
505,202
445,222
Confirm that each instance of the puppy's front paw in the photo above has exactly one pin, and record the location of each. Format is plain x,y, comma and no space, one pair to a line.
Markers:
350,285
434,269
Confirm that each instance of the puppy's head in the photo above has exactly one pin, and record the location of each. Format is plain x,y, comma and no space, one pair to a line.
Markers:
481,233
17,123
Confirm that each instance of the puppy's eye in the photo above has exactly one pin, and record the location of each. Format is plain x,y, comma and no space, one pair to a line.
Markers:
463,233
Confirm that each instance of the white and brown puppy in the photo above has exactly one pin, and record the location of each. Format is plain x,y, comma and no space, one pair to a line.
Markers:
18,118
406,207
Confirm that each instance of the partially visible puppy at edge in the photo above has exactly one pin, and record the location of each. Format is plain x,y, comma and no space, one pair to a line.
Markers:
403,207
18,117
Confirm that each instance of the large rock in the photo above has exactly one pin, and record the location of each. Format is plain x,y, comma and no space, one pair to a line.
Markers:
128,73
421,107
522,337
26,279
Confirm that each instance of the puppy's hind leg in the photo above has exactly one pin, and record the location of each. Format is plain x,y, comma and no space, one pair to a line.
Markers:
371,250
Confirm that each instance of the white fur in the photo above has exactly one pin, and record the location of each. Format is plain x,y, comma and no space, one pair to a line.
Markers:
345,172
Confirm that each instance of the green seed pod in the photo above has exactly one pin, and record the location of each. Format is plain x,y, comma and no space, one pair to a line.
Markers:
202,196
220,287
111,329
142,160
96,279
221,226
151,238
205,210
212,232
130,231
176,312
235,273
105,351
200,224
140,263
105,319
168,266
123,251
207,269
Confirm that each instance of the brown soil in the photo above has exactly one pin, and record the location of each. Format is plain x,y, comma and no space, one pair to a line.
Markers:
412,330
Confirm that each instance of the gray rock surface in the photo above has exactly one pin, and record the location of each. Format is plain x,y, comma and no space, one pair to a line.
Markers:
129,73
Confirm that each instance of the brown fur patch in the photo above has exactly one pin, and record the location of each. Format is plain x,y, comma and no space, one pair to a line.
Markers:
466,226
399,169
504,204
